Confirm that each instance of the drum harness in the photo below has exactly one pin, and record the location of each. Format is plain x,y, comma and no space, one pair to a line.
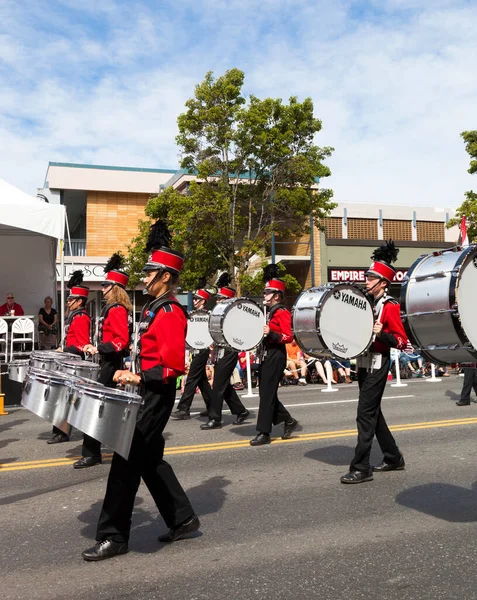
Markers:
148,314
372,361
262,353
71,316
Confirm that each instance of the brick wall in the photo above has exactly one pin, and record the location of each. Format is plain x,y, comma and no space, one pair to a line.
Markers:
111,221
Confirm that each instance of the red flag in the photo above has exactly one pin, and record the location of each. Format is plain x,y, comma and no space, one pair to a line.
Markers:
463,237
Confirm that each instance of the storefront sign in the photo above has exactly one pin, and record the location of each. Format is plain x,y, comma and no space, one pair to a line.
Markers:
336,275
90,272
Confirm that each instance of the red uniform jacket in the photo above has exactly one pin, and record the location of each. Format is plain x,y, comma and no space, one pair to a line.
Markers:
114,330
79,333
5,310
280,327
162,352
392,334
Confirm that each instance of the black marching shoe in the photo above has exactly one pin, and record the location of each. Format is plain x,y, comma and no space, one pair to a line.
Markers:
105,549
261,439
87,461
58,438
289,428
384,466
243,416
357,477
463,403
211,424
181,415
176,533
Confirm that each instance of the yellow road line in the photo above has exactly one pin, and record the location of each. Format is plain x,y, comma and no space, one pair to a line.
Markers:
231,445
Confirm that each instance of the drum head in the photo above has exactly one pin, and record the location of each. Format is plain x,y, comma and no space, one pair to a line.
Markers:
346,321
198,336
242,324
466,295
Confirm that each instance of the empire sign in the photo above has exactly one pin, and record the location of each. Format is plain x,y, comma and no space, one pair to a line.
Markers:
358,275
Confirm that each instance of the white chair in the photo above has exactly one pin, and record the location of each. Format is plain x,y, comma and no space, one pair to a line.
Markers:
21,328
3,340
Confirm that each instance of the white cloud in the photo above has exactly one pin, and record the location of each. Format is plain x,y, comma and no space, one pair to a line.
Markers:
390,80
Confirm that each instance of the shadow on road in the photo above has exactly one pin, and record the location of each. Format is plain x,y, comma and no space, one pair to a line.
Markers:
9,425
209,497
41,491
250,431
339,456
443,501
4,443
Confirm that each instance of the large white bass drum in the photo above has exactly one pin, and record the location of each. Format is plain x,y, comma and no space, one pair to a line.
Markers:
198,336
237,323
333,320
438,302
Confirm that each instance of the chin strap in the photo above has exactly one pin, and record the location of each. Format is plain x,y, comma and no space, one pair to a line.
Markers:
145,291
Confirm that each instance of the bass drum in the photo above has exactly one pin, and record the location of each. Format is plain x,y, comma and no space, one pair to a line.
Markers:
333,320
237,323
438,299
198,336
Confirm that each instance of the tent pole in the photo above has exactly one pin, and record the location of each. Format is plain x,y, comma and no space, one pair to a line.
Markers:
62,258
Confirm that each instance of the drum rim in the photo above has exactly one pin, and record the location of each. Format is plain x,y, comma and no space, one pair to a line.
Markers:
326,289
459,330
19,362
101,391
51,376
228,304
79,363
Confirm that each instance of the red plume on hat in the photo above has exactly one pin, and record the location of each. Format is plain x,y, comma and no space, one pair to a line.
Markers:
201,292
272,282
74,285
162,257
382,257
223,289
114,274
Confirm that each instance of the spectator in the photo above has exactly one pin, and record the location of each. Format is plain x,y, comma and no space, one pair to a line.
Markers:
409,356
11,308
319,366
296,362
47,325
343,368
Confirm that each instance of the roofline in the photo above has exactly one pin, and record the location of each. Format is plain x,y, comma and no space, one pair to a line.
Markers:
110,168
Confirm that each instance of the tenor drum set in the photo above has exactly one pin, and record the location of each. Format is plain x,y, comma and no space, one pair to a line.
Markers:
333,320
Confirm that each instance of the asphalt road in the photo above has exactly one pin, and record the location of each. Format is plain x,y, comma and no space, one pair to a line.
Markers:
276,522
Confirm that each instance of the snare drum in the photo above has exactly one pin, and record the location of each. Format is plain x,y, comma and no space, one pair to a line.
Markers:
198,336
333,320
106,414
237,323
17,370
47,394
438,300
79,368
46,359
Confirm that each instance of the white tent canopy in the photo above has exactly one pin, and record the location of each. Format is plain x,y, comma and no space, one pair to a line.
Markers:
29,232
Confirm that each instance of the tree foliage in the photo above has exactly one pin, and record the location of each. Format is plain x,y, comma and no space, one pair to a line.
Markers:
257,167
468,208
253,286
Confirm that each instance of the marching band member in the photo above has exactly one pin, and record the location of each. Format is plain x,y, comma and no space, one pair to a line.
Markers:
224,367
162,331
278,332
197,376
77,330
113,340
373,371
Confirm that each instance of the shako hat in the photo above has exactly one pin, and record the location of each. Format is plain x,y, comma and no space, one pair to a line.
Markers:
113,273
74,285
272,281
382,257
201,292
162,257
223,291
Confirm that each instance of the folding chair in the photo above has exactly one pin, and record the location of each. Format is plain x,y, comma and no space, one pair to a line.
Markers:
3,340
20,329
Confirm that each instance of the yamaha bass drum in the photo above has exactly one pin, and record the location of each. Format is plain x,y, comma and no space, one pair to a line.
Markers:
438,304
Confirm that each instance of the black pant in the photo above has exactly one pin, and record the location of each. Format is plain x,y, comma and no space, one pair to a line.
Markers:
145,461
197,377
271,411
470,381
370,419
222,388
110,363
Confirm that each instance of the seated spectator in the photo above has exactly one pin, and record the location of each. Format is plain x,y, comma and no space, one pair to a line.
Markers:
343,368
296,363
11,308
409,356
47,325
319,366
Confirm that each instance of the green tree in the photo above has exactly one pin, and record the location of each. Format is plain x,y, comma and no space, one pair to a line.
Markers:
468,208
256,165
253,286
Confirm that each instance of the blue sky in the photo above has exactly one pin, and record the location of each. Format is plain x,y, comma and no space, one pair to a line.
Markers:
103,83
